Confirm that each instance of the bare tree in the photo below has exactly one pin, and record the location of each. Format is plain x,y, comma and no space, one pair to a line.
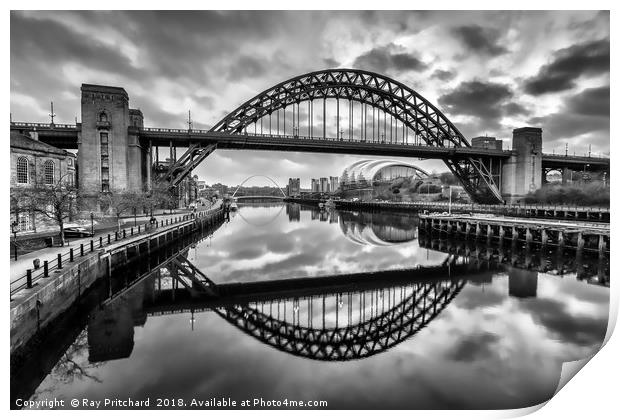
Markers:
161,195
56,201
120,201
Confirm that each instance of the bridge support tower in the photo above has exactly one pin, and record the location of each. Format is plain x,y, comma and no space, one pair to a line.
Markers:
111,157
521,173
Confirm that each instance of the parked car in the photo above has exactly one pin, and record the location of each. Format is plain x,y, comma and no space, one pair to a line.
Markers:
77,232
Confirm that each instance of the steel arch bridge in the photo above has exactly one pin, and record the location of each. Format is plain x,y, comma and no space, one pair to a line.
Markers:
256,176
423,303
382,93
373,311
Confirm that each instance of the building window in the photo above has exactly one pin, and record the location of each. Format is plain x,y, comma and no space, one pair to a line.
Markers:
69,162
105,187
25,222
103,117
48,172
22,170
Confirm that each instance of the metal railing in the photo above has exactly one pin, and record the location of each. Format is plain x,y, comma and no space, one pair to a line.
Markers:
32,276
483,207
42,125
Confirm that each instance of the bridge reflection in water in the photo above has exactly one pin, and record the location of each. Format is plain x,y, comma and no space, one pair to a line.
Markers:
331,318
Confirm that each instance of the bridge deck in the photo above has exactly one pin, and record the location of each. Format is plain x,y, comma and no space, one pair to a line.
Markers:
66,136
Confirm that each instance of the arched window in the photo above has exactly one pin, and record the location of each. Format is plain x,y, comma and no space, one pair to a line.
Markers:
22,170
103,117
48,171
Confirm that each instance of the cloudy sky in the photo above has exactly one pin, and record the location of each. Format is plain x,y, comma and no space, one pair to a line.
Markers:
489,72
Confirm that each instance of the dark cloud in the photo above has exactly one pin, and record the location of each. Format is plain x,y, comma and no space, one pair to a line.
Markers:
586,113
480,40
246,67
331,63
478,99
593,102
569,64
388,58
474,347
443,75
563,325
513,108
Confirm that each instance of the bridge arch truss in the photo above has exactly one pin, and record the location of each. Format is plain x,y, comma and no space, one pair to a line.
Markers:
395,99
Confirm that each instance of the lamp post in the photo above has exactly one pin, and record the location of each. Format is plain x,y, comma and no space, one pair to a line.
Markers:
92,224
14,231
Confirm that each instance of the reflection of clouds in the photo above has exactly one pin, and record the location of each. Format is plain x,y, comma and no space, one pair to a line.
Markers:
305,248
485,350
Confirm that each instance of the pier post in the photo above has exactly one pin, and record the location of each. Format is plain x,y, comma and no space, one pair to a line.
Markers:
544,237
528,236
59,259
515,235
29,279
601,244
70,254
46,272
580,241
560,238
478,230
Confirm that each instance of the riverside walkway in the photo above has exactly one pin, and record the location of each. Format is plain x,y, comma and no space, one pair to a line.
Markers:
49,257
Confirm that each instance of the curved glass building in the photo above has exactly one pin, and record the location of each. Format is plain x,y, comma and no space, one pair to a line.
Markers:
369,177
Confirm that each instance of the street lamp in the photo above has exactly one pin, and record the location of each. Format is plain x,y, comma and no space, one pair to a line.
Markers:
92,224
14,231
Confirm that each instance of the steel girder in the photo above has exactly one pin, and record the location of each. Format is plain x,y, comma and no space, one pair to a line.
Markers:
352,342
386,94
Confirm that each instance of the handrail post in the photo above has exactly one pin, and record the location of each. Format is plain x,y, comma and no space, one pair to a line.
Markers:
29,279
59,258
81,250
92,245
70,254
46,272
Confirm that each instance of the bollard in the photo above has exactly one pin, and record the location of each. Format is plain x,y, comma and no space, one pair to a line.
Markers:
70,254
46,272
124,234
92,245
29,279
131,234
59,258
108,239
139,228
81,250
116,236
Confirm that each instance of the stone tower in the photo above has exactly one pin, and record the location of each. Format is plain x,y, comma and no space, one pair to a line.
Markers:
521,173
110,156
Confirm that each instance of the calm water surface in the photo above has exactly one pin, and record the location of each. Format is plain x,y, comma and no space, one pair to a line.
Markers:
493,338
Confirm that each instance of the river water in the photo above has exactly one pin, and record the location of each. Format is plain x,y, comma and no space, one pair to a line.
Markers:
437,331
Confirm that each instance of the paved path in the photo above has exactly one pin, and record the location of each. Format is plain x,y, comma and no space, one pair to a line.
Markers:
24,261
